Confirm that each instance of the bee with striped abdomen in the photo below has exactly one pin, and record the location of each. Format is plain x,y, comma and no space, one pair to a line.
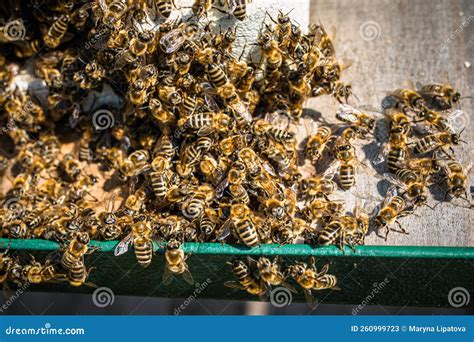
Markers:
348,229
176,263
310,279
246,281
141,239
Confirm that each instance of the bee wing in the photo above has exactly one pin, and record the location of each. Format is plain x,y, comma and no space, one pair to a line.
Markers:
269,168
224,231
391,192
346,113
173,40
122,246
241,110
204,131
234,285
278,119
458,119
167,276
312,302
188,277
331,171
263,296
220,188
310,126
252,262
394,180
324,270
380,157
288,286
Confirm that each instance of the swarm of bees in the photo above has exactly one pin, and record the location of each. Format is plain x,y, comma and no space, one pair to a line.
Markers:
195,144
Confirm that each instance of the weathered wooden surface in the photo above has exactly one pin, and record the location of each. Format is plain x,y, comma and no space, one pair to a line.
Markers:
405,40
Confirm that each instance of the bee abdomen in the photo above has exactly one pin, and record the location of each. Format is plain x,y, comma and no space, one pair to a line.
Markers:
346,176
247,233
216,75
395,157
164,7
329,234
144,253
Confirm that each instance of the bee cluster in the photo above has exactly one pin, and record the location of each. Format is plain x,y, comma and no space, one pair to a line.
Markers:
191,149
418,155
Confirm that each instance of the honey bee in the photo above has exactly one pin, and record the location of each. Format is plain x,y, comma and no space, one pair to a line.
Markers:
208,222
271,53
141,238
349,229
435,119
206,123
79,16
246,281
71,167
191,155
174,39
397,148
160,176
408,99
424,166
319,186
344,152
15,229
244,223
239,109
413,184
110,227
137,163
393,207
201,7
238,8
85,153
214,170
362,122
163,7
78,274
456,178
441,95
113,12
270,273
322,209
57,31
28,48
76,249
310,279
435,142
194,206
317,143
165,147
176,263
32,271
21,185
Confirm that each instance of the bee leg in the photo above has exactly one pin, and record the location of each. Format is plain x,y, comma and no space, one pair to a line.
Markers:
387,230
312,262
402,230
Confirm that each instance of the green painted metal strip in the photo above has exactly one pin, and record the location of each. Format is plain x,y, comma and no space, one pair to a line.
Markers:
287,250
